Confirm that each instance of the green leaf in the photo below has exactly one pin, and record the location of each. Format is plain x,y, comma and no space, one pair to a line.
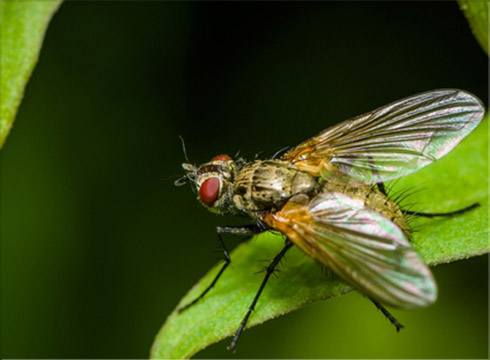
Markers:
457,180
476,13
22,29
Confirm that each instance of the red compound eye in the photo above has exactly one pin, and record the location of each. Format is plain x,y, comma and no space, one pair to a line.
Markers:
222,158
208,192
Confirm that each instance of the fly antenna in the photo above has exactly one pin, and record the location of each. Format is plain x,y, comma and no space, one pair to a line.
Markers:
183,149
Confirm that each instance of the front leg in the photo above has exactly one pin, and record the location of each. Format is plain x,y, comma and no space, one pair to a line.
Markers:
242,230
246,230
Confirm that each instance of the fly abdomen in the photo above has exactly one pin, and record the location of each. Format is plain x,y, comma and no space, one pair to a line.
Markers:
372,199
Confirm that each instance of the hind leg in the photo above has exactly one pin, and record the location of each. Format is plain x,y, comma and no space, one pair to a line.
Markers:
451,213
388,315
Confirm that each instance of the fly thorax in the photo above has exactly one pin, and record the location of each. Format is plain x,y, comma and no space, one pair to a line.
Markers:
268,184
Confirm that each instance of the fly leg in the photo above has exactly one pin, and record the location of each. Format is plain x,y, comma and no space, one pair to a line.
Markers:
451,213
269,271
381,187
388,315
246,230
242,230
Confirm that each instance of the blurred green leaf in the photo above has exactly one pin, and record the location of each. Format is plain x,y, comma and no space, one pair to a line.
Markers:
457,180
477,14
22,29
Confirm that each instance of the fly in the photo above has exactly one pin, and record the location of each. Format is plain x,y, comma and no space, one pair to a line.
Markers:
327,196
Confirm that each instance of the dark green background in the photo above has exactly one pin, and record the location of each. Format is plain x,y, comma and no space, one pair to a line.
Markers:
98,245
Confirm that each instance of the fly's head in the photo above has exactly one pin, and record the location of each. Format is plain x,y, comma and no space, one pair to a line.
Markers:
213,182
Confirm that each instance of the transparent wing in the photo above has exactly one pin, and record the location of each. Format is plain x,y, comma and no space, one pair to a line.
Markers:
362,247
392,141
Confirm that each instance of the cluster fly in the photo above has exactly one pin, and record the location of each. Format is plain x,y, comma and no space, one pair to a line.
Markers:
327,196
